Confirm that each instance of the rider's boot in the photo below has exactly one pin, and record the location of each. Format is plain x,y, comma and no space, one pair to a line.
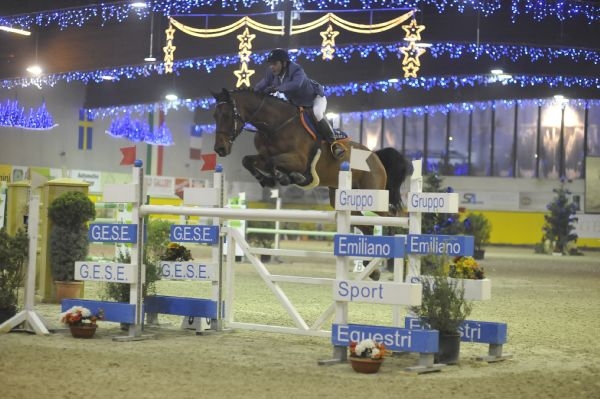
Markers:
337,149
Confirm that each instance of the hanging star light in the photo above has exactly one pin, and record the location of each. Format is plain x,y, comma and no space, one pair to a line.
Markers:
169,49
243,74
411,63
412,53
328,45
413,31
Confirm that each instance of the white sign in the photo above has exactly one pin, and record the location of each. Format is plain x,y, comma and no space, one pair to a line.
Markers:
120,193
187,270
376,292
108,271
433,202
361,200
358,159
200,196
587,226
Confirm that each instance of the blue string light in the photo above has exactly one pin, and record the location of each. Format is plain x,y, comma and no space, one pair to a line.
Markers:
14,115
495,52
137,130
79,16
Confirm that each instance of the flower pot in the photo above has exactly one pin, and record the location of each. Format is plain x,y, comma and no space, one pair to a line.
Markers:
448,350
67,289
475,290
365,365
83,330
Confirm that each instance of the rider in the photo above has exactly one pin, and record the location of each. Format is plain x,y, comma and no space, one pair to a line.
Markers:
289,78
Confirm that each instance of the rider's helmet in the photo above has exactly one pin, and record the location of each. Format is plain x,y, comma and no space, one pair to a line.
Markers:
278,54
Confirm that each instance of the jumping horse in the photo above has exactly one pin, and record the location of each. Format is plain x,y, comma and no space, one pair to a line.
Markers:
288,154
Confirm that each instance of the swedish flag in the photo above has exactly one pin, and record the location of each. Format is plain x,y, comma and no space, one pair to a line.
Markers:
85,129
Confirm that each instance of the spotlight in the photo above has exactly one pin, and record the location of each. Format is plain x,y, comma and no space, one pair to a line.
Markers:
34,70
171,97
15,30
139,4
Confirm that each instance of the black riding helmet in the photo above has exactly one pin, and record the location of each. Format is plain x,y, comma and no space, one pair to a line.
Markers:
278,54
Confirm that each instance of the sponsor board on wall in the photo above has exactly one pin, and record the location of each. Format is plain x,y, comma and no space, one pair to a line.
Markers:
89,176
587,226
160,186
492,200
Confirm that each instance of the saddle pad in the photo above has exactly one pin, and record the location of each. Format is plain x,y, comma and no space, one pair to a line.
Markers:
309,124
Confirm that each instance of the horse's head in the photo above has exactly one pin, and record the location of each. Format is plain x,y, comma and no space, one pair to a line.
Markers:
229,122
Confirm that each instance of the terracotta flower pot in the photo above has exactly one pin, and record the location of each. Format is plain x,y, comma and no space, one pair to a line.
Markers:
365,365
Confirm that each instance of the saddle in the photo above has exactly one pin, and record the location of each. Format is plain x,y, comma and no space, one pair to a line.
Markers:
310,125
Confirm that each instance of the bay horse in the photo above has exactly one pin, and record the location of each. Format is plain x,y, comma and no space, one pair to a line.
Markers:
288,154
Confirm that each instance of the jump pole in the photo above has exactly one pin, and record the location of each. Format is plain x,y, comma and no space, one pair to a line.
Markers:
28,317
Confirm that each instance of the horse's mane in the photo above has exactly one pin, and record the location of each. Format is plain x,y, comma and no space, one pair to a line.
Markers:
269,98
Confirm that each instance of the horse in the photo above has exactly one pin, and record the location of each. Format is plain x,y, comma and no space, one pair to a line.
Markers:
288,154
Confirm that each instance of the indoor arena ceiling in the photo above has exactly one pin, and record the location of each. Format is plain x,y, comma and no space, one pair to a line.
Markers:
526,43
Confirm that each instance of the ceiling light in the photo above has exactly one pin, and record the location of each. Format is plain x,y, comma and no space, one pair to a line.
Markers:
107,77
425,45
139,4
171,97
497,71
35,70
393,80
150,59
15,30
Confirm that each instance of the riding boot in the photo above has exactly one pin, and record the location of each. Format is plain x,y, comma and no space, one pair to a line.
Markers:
326,131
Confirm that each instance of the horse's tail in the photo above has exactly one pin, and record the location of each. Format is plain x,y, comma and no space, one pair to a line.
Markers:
397,168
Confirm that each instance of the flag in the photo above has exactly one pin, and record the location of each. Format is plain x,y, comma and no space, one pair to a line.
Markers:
196,142
128,155
210,161
155,153
85,129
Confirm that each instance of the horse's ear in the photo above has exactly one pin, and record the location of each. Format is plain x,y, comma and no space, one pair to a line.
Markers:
225,93
215,95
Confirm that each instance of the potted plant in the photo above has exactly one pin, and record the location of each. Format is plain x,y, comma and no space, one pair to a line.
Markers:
478,226
443,308
157,238
69,214
366,356
558,228
13,254
81,321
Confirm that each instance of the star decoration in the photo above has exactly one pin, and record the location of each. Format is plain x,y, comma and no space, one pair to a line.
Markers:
410,70
413,31
329,36
170,31
327,52
245,55
169,49
243,75
412,53
246,39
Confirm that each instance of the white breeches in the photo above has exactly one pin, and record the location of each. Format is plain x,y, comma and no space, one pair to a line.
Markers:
319,107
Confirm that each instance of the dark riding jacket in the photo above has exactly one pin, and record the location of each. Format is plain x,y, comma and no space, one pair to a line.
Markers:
294,83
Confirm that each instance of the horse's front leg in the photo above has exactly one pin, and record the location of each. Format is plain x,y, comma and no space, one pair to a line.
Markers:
257,166
292,165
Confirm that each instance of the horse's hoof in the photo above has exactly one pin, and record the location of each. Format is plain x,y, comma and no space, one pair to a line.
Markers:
375,275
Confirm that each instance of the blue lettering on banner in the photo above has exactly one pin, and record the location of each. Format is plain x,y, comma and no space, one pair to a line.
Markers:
186,271
440,244
368,246
123,233
394,338
197,234
483,332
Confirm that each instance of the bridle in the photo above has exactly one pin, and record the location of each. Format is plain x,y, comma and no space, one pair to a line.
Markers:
238,121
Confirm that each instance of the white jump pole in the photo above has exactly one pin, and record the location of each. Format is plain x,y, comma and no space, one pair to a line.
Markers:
28,316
